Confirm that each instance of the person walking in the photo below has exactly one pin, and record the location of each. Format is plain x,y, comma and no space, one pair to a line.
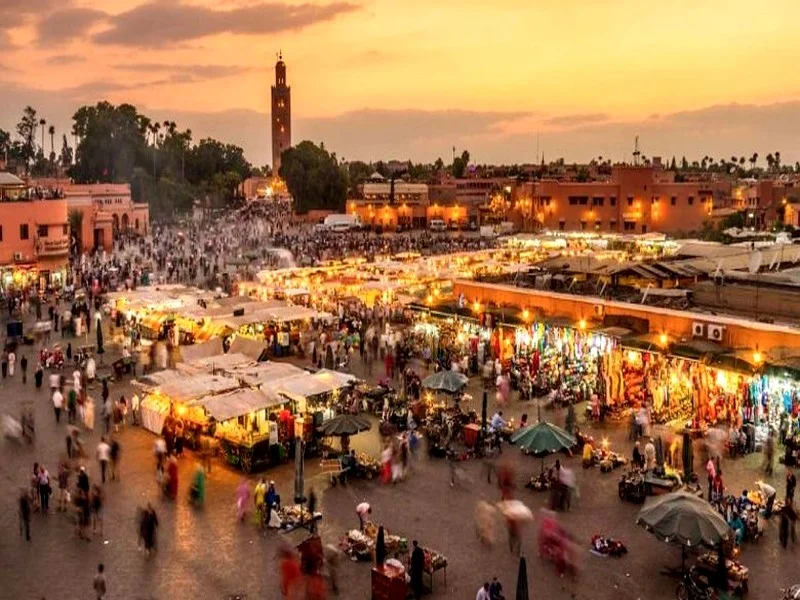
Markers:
24,513
791,484
103,457
769,453
114,454
72,405
416,570
148,524
711,471
99,583
4,363
44,489
12,361
23,364
96,504
38,375
58,403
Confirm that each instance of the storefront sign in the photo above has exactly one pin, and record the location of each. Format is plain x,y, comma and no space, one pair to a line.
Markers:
53,247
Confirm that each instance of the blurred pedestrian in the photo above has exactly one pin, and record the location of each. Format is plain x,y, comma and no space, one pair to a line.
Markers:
23,363
99,583
417,567
291,577
44,489
12,361
24,504
38,375
63,487
769,452
791,484
103,457
242,494
114,456
58,403
96,504
148,524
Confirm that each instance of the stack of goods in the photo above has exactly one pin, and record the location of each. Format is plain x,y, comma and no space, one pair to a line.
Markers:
608,460
367,466
632,487
292,516
606,546
434,560
633,378
738,574
539,483
358,545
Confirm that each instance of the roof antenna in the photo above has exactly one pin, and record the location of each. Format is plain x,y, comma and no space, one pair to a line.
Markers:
636,152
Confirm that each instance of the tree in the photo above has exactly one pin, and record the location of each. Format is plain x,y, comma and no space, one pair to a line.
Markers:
75,220
5,144
42,123
438,166
26,128
66,153
313,178
777,160
684,164
754,160
52,132
357,173
770,162
672,166
460,164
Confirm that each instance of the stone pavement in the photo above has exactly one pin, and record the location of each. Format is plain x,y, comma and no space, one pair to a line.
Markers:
207,554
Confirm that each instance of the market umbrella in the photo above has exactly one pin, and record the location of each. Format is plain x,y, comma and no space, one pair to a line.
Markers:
445,381
299,472
380,547
683,518
688,456
345,424
543,438
100,349
522,580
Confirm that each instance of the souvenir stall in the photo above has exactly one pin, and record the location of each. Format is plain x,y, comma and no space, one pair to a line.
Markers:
563,357
174,398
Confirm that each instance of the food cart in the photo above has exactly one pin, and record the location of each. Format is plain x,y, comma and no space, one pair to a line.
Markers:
246,424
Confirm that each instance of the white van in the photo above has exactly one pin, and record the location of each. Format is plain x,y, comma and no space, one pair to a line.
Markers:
437,225
340,223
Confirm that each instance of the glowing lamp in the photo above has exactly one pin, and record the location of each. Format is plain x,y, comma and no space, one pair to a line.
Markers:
662,339
757,358
526,314
582,324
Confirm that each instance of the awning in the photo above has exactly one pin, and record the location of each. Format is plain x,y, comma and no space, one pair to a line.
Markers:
696,349
739,361
250,348
190,388
237,403
266,373
220,362
207,349
646,342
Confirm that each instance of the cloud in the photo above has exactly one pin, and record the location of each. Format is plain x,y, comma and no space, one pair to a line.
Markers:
59,60
188,73
576,120
164,23
15,12
64,25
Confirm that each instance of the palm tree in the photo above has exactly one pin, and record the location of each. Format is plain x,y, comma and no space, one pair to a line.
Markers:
770,161
777,160
42,123
52,131
754,160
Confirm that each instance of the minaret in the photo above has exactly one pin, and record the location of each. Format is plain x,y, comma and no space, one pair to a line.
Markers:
281,115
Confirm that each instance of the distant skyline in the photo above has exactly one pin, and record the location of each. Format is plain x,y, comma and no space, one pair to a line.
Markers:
379,79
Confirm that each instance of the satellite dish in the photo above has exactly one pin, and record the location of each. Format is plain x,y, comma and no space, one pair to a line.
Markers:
755,262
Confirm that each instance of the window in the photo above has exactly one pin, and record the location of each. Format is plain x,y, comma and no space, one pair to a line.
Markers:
691,200
23,231
562,225
612,200
598,225
654,200
42,231
65,229
612,225
644,228
630,200
583,225
598,201
630,225
1,233
673,200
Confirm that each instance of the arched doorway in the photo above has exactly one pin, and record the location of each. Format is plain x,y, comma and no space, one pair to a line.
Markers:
125,222
115,224
137,224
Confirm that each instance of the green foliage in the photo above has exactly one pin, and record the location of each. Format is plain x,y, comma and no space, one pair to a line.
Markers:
460,164
313,177
26,128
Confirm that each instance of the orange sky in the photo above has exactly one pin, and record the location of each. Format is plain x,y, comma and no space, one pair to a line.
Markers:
562,63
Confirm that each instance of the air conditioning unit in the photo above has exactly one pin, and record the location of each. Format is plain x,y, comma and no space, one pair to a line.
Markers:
715,332
698,329
599,310
18,256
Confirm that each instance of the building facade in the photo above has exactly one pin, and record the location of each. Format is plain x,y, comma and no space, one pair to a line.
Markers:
281,115
635,199
34,235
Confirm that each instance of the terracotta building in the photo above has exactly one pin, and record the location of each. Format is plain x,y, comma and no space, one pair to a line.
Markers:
633,200
281,115
34,235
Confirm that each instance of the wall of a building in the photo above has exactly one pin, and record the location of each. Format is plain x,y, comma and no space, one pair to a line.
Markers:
738,332
52,213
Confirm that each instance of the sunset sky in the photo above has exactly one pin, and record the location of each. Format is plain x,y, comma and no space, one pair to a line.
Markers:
412,78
